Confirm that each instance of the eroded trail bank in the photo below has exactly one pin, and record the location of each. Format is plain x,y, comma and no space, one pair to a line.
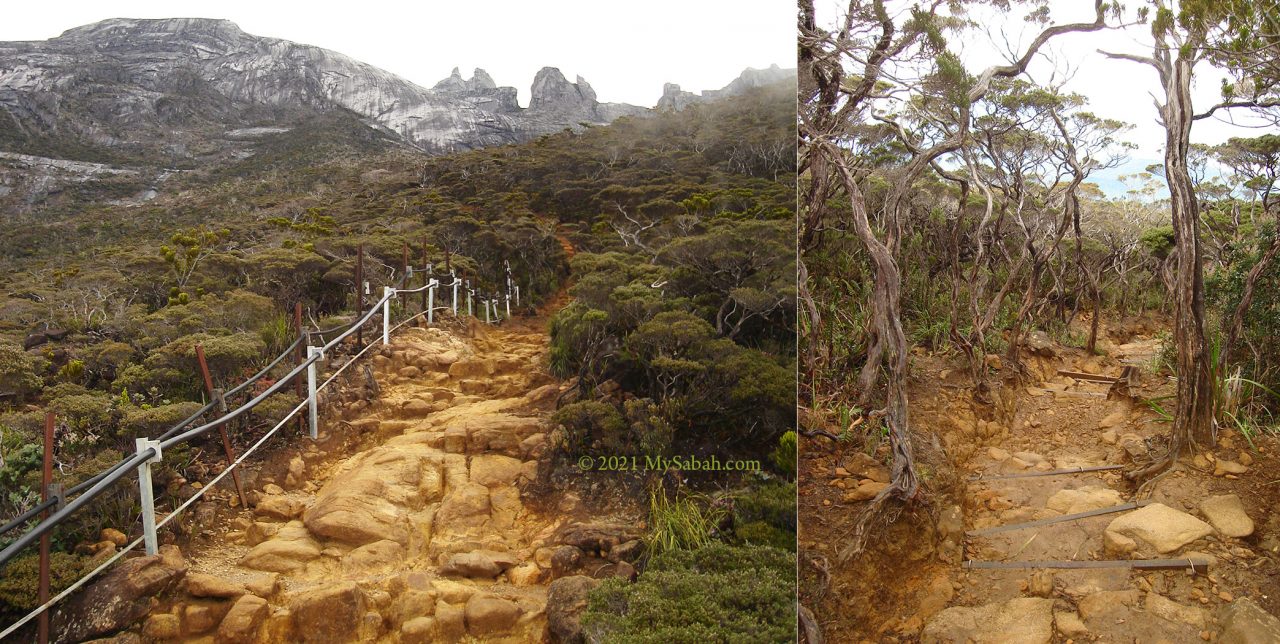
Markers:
409,520
990,469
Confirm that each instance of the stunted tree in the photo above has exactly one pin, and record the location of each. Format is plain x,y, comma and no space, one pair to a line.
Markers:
1256,165
1088,145
1185,34
835,104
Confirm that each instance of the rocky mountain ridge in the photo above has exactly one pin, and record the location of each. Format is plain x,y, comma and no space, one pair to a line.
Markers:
143,99
119,82
106,81
675,99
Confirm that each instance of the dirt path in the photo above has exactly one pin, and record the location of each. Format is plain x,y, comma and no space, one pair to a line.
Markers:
1061,423
412,518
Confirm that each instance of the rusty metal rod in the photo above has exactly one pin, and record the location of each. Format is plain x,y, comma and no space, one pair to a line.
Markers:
1066,517
46,481
222,427
1198,565
1065,470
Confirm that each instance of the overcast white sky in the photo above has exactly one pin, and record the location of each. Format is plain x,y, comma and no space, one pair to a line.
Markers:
1115,89
625,50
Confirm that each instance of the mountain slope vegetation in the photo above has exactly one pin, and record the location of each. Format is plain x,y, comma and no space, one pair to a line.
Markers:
678,331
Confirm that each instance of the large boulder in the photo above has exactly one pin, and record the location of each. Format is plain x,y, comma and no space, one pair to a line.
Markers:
496,432
472,368
494,469
1227,515
118,599
202,585
566,603
243,620
290,549
369,500
279,506
328,614
1039,343
1024,620
465,506
1165,528
373,558
1244,622
484,564
451,623
488,615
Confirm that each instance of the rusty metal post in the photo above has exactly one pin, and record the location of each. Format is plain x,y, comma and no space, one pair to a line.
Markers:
360,293
46,482
222,408
300,355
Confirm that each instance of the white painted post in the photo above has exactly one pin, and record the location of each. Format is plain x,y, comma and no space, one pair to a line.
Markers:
454,301
431,300
508,305
387,294
517,295
146,495
469,292
311,391
486,311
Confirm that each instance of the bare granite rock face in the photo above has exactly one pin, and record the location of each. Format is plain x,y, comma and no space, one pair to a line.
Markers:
184,70
137,101
675,99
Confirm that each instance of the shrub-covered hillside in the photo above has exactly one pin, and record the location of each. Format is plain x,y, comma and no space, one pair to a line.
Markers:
673,234
680,336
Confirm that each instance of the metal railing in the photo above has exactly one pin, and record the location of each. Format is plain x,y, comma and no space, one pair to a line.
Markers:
151,451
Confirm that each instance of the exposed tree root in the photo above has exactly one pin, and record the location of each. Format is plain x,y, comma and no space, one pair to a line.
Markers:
819,432
823,566
809,626
878,511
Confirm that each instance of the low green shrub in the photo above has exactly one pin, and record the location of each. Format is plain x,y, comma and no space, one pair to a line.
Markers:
773,503
152,421
18,371
21,579
763,533
591,422
784,455
716,593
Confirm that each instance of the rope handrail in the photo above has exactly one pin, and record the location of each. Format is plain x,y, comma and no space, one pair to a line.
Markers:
149,451
76,489
99,483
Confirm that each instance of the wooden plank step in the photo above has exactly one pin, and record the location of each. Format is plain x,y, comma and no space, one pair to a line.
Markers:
1198,565
1067,470
1066,517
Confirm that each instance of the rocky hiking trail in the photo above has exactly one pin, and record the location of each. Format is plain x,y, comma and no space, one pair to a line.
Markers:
412,518
998,472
